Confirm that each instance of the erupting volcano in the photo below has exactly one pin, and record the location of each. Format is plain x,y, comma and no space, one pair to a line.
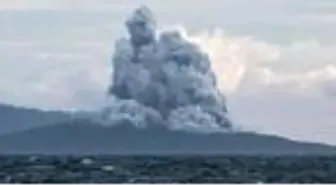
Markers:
163,99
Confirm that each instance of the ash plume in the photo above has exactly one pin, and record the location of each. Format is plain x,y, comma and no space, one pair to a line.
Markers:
162,78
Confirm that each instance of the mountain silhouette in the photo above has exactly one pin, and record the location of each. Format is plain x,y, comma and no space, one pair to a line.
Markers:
14,119
86,137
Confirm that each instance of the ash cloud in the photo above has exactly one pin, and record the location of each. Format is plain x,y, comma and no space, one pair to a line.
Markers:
162,78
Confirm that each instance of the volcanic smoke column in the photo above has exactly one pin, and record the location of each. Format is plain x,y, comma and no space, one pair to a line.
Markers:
163,79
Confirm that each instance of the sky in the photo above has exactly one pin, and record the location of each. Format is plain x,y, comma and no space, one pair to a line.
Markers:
275,60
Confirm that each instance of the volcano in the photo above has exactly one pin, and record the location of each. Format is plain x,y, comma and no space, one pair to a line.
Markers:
83,137
163,99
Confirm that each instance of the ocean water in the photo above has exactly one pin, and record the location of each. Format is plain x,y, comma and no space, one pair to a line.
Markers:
167,169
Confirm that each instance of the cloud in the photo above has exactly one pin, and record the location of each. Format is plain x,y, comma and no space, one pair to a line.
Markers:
233,56
245,64
274,88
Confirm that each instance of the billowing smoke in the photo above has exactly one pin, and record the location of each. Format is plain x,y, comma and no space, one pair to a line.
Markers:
162,78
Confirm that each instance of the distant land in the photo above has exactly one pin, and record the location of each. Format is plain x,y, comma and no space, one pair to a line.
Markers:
13,119
40,132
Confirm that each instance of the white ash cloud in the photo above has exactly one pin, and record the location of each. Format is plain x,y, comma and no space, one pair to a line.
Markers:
164,77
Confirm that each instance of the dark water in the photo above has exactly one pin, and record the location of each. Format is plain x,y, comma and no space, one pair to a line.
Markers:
173,169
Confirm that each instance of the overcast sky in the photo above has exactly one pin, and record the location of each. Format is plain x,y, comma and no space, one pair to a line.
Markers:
275,60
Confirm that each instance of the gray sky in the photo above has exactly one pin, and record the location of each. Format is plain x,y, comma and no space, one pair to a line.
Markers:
275,60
